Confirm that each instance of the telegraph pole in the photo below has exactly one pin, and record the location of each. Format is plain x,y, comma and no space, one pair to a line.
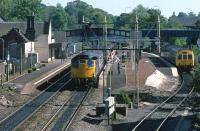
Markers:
105,32
104,52
136,62
84,24
158,34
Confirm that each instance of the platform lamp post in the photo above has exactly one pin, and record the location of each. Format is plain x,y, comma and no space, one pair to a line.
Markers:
2,48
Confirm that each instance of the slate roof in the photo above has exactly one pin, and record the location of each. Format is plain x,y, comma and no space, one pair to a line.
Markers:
15,34
7,26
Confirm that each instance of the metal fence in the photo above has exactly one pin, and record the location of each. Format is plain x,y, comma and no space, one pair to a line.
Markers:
15,66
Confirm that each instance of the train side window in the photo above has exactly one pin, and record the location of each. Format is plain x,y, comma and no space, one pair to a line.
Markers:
82,61
179,57
90,63
189,57
184,57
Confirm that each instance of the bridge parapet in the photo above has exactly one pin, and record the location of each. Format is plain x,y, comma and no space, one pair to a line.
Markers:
98,32
126,33
123,36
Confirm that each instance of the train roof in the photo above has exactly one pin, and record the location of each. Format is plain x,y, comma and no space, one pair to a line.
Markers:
88,55
185,50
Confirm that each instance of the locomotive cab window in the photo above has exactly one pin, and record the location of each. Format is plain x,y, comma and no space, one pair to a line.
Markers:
184,57
82,61
179,57
90,63
189,57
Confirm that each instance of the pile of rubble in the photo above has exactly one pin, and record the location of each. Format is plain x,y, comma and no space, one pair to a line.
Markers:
5,102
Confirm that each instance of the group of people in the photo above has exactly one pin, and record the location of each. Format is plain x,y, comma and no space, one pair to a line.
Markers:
115,58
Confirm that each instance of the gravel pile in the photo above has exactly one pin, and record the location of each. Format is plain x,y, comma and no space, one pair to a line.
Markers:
11,100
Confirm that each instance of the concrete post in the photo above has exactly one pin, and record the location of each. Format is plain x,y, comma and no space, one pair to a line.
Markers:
1,80
8,63
2,49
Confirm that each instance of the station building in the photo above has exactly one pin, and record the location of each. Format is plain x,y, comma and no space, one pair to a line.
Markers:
23,44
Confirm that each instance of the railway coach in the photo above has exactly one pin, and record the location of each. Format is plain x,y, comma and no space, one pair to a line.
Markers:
86,68
184,59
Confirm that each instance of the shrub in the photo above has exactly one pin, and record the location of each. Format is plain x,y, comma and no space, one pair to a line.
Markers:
125,98
34,68
196,81
29,70
197,121
43,65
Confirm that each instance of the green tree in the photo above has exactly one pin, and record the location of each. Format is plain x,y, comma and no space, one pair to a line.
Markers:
77,9
197,24
5,8
23,8
59,18
174,23
182,15
180,42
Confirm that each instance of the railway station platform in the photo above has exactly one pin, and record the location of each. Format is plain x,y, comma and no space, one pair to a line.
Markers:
152,72
27,82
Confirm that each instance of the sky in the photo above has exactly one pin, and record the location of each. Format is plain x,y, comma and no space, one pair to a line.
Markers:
116,7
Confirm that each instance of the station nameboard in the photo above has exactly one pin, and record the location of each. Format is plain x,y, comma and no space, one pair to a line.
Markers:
109,103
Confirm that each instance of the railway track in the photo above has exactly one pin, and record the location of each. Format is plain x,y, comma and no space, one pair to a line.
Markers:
47,111
13,121
64,122
168,108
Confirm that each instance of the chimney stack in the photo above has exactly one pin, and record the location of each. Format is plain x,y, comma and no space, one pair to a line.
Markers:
30,29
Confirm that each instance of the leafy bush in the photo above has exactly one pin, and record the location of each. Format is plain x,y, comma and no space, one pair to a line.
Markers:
34,68
125,98
196,80
29,70
43,65
197,121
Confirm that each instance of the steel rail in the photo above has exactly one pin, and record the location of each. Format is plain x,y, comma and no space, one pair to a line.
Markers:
5,122
77,110
57,113
160,105
48,99
172,112
64,84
